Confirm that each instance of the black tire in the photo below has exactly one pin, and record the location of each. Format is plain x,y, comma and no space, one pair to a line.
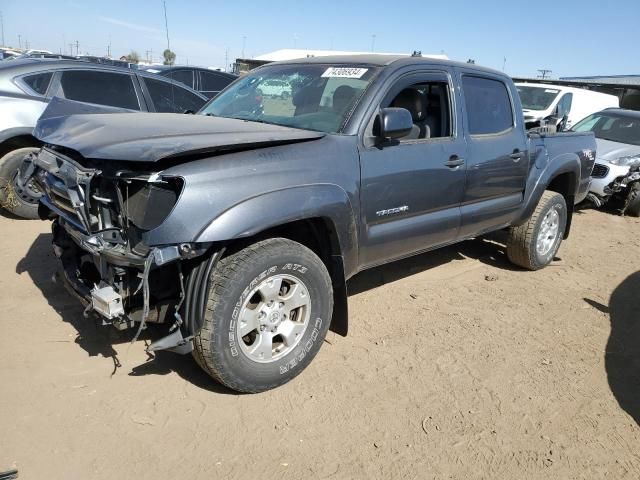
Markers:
217,346
633,201
521,245
20,202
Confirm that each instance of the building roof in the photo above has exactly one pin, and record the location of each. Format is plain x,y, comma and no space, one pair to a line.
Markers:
625,80
294,53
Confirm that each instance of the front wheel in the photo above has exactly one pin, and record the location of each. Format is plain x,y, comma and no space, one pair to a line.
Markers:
268,311
633,201
534,244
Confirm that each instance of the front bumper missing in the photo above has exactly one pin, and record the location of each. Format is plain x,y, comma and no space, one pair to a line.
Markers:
107,303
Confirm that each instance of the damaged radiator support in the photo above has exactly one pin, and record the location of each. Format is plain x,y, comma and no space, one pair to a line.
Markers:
193,299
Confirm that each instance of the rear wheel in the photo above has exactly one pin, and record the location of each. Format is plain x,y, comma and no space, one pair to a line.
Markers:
633,201
14,198
534,244
268,311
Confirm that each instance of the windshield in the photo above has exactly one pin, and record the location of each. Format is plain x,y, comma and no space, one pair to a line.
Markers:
313,97
536,98
610,126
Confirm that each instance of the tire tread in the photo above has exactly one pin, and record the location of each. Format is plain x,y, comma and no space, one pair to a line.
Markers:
521,238
223,275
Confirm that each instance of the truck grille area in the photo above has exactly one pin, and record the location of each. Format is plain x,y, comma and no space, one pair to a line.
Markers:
599,170
102,199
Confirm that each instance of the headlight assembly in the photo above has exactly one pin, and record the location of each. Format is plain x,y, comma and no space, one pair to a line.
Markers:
147,203
628,161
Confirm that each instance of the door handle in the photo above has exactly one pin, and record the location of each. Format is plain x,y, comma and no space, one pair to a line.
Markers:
454,161
516,156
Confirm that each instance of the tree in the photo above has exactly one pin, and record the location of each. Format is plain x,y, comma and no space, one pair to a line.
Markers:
133,57
169,57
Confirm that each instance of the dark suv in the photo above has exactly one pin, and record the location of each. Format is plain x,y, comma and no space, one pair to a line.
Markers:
27,86
204,80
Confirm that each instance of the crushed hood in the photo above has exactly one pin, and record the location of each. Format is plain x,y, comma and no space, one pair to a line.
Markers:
115,134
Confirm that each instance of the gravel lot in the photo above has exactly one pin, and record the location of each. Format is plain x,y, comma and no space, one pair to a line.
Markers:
457,366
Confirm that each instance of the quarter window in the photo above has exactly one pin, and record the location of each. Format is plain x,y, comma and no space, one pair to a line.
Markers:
39,82
102,88
488,105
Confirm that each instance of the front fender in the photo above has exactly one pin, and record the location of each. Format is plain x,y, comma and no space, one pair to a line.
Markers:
542,174
264,211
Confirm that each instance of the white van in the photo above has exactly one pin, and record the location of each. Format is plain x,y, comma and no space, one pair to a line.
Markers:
567,104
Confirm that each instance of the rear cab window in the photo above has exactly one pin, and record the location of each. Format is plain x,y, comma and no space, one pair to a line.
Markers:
488,105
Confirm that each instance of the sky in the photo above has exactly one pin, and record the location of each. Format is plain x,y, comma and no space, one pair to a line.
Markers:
570,38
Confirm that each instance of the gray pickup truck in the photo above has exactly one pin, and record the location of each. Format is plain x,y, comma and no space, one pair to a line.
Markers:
238,227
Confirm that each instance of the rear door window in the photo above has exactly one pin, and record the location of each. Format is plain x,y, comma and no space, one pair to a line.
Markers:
102,88
38,82
488,105
172,98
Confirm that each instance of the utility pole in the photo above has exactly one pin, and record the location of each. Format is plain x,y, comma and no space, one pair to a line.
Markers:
373,42
226,59
244,42
504,63
77,48
2,25
544,73
19,42
166,24
71,49
26,44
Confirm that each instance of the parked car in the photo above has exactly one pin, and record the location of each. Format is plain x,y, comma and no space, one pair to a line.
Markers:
204,80
276,88
49,56
239,227
564,106
6,53
26,86
616,173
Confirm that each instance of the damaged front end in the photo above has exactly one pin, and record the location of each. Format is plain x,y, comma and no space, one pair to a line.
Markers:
101,212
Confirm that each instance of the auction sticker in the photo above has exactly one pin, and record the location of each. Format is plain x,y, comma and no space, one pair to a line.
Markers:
344,72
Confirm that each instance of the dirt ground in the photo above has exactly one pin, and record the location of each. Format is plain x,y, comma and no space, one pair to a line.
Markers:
456,366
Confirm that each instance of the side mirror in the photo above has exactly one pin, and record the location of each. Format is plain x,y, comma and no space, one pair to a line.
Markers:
394,123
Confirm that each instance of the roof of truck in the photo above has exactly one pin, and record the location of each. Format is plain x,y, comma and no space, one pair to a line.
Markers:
378,60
